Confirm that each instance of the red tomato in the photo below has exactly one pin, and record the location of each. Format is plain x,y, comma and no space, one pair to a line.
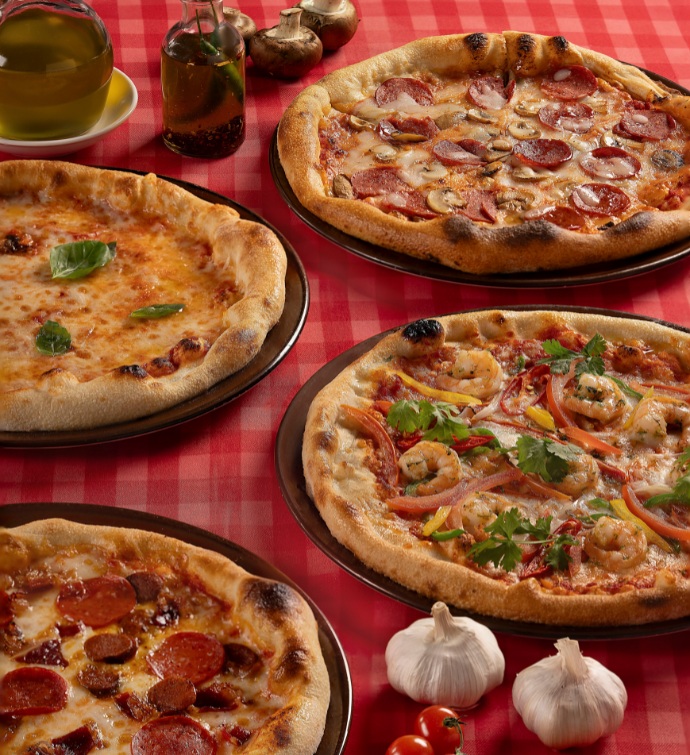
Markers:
410,744
429,724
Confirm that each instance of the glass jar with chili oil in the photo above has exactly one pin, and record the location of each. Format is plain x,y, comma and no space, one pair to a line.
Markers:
202,76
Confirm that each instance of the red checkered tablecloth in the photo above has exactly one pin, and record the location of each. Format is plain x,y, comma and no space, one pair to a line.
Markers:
217,471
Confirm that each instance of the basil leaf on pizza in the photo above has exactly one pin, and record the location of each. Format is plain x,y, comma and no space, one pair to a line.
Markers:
77,259
520,518
52,339
156,311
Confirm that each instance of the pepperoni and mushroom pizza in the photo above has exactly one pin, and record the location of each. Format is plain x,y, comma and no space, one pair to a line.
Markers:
493,153
124,641
123,294
525,465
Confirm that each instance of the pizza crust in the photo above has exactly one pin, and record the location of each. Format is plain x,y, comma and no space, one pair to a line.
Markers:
272,612
255,255
343,487
455,240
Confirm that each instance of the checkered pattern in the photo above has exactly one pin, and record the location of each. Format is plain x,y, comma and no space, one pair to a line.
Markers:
216,472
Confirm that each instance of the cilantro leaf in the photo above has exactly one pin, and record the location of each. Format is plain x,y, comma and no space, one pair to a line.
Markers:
540,530
560,357
679,495
438,421
557,556
406,416
545,457
499,547
626,388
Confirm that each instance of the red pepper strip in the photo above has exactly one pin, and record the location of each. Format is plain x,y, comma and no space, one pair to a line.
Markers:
536,567
474,441
369,426
589,442
419,504
544,490
518,391
685,391
658,525
613,472
554,397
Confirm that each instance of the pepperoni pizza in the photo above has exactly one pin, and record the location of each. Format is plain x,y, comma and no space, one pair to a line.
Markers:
127,642
494,153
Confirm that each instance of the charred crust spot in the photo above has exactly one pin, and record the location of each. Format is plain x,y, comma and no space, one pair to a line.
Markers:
188,350
14,243
134,370
525,45
160,366
326,441
60,178
533,229
459,228
560,44
421,330
50,373
273,599
634,224
476,42
293,664
654,601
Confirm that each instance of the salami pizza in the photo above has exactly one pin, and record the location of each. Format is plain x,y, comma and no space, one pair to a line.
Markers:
493,153
123,294
123,641
525,465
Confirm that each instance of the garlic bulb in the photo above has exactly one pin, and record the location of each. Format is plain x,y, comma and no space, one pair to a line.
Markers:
568,700
444,660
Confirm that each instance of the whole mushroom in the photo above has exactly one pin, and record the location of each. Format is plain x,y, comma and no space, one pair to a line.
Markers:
334,21
288,50
241,21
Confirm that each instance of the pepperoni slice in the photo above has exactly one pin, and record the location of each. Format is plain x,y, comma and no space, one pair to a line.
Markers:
489,92
407,129
599,199
610,163
78,742
481,205
375,182
567,116
32,691
98,601
48,653
450,153
391,89
191,655
543,153
173,734
570,83
6,612
409,203
640,122
564,217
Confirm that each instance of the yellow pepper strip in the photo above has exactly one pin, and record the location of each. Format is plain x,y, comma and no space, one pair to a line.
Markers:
542,417
619,506
436,520
426,390
628,422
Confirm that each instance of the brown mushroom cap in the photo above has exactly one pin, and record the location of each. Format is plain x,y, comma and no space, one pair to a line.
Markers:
334,28
241,21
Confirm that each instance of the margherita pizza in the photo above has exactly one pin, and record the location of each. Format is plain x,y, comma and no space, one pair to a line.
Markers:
121,294
494,153
128,642
530,466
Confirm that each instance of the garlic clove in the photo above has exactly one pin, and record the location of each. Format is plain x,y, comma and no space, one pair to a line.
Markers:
568,700
444,660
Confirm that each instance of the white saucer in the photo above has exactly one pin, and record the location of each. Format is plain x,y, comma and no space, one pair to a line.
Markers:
121,101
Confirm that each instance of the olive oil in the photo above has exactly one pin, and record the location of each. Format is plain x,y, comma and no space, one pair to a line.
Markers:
55,71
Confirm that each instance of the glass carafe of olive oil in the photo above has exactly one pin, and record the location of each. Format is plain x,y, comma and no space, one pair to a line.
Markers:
202,76
56,61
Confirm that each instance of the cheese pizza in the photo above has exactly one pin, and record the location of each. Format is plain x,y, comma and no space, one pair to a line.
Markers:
127,642
525,465
123,294
493,153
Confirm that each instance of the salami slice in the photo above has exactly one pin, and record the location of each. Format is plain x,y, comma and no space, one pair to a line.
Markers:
110,648
396,129
567,116
642,122
410,203
490,93
570,83
610,163
6,612
191,655
48,653
98,601
376,182
391,89
173,734
32,691
481,205
543,153
602,200
450,153
564,217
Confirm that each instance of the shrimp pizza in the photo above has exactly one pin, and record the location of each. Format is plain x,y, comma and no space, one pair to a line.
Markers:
123,294
116,640
493,153
525,465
